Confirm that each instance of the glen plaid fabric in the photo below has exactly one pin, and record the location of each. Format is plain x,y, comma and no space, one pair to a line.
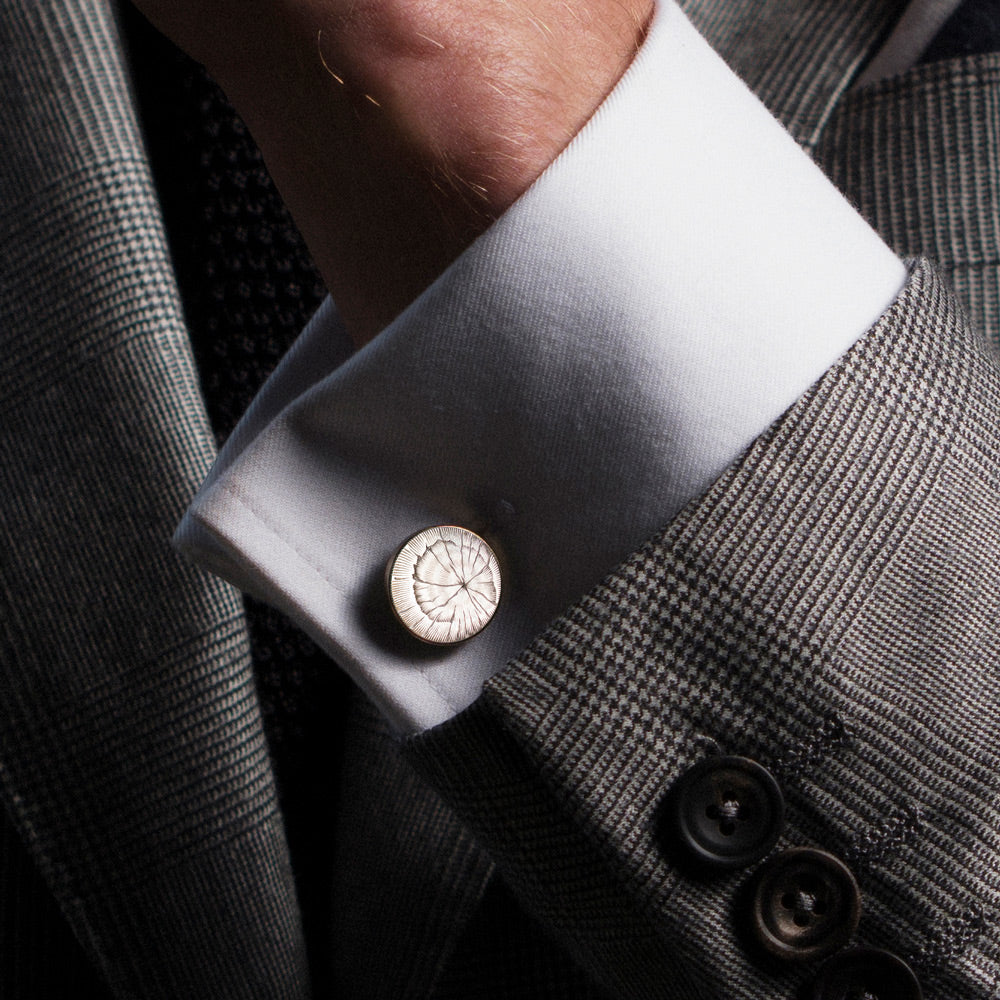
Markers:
177,737
134,764
827,609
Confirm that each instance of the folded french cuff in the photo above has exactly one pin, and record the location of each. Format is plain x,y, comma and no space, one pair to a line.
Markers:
673,282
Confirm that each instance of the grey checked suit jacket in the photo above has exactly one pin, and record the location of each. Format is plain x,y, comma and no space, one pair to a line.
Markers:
828,608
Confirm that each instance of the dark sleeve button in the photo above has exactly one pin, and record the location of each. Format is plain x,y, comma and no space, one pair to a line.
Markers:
726,812
866,973
806,905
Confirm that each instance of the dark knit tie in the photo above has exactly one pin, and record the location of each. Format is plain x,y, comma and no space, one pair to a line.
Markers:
248,286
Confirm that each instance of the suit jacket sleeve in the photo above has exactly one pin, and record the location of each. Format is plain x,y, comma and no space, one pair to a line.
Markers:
828,609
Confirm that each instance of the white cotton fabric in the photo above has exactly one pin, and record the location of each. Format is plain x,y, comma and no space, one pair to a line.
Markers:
673,282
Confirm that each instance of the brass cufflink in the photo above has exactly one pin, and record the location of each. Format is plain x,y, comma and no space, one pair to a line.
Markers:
444,584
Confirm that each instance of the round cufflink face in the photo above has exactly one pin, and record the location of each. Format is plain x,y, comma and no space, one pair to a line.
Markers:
444,584
866,972
806,905
727,812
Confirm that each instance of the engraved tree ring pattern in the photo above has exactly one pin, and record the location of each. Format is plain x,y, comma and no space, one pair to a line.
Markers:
444,584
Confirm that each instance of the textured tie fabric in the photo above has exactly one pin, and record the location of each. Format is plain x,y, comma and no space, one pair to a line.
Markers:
248,286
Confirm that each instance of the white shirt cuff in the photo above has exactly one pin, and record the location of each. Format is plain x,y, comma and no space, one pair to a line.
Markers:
670,285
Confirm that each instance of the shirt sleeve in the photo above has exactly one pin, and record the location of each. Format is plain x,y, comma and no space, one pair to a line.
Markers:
670,285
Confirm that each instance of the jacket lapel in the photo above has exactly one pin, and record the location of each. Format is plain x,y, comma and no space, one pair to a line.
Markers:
946,208
798,56
132,757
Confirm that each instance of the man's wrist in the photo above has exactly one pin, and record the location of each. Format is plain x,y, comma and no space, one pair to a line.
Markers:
397,132
487,93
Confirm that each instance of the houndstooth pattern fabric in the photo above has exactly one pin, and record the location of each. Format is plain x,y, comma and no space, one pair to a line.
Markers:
134,762
803,613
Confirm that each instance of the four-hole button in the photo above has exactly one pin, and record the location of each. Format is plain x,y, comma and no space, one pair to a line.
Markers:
806,905
727,812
